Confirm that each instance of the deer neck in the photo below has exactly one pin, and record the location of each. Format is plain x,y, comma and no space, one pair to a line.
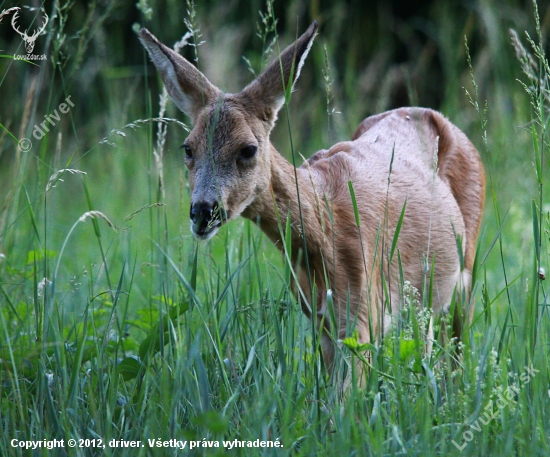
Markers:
292,195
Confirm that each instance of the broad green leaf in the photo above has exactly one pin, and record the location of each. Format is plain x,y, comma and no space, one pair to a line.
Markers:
129,368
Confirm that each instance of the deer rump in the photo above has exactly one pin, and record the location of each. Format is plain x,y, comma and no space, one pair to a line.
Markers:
410,158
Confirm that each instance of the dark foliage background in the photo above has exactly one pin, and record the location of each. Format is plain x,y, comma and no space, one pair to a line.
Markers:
382,55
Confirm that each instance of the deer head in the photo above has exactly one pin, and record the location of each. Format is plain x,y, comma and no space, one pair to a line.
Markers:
29,40
228,152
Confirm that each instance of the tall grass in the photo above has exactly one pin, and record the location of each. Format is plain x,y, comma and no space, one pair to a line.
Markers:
116,325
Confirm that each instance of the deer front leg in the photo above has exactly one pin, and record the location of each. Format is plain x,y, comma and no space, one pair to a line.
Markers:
357,370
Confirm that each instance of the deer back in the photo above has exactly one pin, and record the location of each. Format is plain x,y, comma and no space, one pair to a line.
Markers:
404,158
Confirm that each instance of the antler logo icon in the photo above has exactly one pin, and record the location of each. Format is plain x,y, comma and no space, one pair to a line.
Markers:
29,40
8,11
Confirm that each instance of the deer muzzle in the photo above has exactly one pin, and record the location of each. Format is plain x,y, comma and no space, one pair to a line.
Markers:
206,218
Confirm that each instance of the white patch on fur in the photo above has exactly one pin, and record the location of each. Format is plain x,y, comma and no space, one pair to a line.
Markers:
303,59
461,283
278,103
465,279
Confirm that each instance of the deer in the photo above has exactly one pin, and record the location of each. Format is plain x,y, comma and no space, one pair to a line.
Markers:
409,167
29,40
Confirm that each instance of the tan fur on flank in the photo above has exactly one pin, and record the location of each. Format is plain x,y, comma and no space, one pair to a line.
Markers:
435,170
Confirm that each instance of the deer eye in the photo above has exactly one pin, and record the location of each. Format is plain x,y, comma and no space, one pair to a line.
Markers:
188,152
247,152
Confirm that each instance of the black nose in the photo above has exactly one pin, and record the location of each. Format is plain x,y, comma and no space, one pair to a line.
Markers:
205,216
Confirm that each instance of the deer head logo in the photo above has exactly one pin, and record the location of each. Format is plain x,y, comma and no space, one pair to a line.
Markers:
29,40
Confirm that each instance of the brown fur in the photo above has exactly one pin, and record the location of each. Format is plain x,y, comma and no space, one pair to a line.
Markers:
435,170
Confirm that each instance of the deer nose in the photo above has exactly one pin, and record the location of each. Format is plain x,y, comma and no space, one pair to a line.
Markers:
204,217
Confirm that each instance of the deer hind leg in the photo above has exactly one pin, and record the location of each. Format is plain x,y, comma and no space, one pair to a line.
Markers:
463,298
459,315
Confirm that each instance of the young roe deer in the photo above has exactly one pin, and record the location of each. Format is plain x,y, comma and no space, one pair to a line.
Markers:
408,156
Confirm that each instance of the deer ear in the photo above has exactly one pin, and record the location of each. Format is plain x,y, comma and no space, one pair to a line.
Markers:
188,87
267,91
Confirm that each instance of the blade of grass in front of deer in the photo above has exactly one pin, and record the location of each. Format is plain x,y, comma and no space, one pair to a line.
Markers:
397,231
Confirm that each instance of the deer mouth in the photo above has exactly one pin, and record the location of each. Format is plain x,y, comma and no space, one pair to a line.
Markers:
206,221
205,232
